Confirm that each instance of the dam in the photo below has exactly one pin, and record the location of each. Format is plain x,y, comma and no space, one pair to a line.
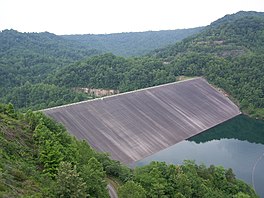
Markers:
131,126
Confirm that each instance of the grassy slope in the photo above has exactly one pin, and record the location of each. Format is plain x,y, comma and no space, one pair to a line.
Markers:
18,174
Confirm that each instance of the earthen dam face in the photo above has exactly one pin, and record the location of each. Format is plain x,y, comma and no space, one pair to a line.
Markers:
134,125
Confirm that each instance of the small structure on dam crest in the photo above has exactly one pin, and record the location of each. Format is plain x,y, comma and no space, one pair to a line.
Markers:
134,125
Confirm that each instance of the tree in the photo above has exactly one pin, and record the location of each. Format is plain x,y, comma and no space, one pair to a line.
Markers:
10,110
131,190
50,150
69,184
94,176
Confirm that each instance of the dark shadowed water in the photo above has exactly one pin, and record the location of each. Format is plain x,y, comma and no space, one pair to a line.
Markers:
237,144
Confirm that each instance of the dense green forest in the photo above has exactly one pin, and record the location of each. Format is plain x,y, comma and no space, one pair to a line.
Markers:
41,95
31,56
26,59
28,62
37,154
228,53
133,43
111,72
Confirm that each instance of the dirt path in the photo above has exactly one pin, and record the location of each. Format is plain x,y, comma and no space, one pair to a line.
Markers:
112,191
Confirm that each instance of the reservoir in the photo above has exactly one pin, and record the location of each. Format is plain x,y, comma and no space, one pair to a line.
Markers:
237,144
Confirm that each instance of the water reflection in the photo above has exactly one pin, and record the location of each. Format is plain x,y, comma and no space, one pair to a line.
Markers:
241,127
236,144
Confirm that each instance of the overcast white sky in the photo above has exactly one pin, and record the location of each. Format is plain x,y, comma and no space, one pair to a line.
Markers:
112,16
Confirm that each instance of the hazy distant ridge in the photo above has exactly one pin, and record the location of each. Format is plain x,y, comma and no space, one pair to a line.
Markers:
133,43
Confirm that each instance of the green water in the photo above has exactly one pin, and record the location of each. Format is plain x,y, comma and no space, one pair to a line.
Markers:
237,144
241,127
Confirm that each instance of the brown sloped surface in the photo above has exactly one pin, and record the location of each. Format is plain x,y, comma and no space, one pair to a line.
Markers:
134,125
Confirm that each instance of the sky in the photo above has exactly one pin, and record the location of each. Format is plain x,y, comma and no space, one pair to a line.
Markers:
114,16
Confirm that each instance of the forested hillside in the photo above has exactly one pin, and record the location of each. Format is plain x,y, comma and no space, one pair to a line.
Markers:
229,53
31,56
27,59
37,154
133,43
112,72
